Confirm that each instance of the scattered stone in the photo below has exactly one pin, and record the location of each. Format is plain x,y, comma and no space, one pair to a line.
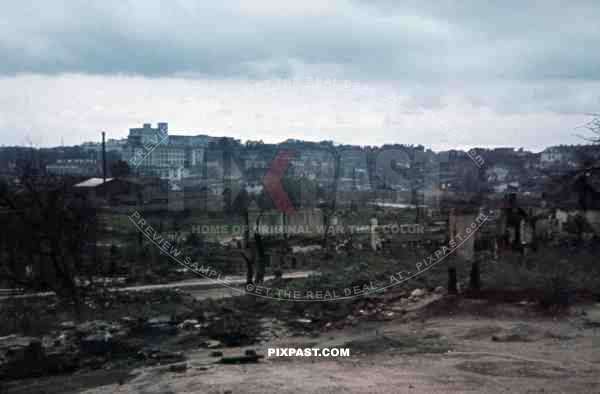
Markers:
241,359
67,325
164,357
128,320
212,344
163,319
305,249
416,293
161,325
61,340
216,353
189,324
97,326
440,290
517,333
94,362
24,357
591,316
208,315
179,368
399,309
101,343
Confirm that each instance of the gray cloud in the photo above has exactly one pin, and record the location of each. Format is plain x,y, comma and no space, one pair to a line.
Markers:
434,41
503,73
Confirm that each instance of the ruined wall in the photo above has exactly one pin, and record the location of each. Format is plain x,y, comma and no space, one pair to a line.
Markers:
301,222
593,218
457,227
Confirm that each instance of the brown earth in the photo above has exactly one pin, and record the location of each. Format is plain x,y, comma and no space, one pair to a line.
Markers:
448,345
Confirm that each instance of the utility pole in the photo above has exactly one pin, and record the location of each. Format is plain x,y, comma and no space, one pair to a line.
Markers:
103,158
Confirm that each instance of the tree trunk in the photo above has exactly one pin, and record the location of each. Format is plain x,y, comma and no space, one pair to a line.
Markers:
261,259
475,277
246,245
324,236
249,269
452,282
246,239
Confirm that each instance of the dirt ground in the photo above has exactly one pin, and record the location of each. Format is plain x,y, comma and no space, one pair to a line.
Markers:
458,346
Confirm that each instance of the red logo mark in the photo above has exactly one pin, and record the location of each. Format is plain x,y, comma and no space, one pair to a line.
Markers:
272,180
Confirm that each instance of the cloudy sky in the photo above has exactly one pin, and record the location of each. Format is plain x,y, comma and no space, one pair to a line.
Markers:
510,74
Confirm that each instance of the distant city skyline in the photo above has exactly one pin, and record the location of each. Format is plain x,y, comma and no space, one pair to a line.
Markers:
501,74
188,106
191,133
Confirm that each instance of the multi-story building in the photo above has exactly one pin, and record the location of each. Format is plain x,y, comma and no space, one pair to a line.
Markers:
551,156
118,147
167,156
75,167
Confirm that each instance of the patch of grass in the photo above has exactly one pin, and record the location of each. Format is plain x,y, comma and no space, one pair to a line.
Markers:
513,368
406,344
484,332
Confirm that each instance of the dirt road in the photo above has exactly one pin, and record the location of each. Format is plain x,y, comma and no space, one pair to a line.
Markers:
195,286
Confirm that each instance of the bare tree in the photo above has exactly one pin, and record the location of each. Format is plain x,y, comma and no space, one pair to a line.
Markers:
261,256
592,126
47,239
256,258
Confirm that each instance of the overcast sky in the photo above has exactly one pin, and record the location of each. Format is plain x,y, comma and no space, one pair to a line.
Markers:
511,74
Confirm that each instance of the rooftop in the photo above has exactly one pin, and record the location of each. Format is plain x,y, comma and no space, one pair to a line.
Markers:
92,182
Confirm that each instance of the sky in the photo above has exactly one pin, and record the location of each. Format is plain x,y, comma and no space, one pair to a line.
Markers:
443,74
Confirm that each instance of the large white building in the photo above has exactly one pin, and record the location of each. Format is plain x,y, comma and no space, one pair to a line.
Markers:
167,156
153,151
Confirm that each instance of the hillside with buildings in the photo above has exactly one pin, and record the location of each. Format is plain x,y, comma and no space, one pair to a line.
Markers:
157,152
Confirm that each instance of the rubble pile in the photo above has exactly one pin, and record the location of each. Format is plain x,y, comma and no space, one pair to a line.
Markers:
161,339
319,317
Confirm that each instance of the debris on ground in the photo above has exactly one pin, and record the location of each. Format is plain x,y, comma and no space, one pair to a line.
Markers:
160,357
245,359
179,367
212,344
